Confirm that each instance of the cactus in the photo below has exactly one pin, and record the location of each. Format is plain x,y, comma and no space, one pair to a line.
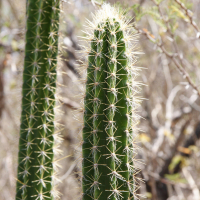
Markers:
110,104
36,164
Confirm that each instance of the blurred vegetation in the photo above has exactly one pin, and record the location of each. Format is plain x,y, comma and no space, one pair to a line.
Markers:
170,124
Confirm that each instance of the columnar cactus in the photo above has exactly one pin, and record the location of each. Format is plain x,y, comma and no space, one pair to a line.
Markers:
36,144
110,109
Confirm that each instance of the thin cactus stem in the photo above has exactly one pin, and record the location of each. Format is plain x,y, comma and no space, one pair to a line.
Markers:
109,117
36,144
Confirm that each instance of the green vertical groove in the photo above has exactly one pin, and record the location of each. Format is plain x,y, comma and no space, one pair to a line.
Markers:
98,109
123,108
51,74
111,115
88,132
36,144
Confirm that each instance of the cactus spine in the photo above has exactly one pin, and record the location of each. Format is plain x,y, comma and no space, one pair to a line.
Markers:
109,109
36,165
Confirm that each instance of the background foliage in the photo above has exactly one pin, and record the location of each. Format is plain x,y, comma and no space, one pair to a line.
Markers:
170,40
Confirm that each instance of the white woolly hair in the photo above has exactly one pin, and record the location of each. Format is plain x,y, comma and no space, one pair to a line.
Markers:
108,12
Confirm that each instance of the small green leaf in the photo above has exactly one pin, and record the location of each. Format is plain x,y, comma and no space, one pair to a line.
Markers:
176,159
138,12
175,178
179,13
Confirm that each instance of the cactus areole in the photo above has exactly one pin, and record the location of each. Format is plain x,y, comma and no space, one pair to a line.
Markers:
109,109
36,165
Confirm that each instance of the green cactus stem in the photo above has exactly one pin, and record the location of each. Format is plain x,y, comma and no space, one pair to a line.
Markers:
36,163
110,109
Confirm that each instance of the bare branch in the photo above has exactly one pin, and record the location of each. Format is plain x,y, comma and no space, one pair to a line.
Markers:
189,15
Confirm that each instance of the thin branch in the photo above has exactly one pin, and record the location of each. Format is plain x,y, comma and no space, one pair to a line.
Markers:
173,58
188,14
94,3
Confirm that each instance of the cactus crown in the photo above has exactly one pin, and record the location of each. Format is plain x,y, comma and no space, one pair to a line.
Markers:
110,108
